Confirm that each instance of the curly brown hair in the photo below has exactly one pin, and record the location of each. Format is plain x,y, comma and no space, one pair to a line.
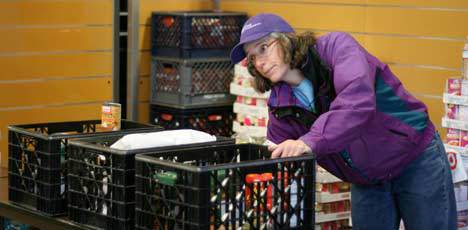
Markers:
294,49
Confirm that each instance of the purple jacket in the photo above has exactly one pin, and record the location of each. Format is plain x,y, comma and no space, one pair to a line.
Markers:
373,128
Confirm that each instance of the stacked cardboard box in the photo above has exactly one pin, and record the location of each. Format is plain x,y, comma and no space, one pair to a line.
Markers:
250,107
333,204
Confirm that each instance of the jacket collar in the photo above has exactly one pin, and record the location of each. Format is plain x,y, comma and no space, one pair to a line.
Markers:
282,94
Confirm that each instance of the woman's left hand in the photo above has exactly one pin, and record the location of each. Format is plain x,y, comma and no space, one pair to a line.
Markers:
289,148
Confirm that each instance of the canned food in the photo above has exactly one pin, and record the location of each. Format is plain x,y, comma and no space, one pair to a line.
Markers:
111,115
257,185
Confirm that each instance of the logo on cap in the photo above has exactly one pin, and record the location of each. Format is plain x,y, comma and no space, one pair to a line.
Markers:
250,26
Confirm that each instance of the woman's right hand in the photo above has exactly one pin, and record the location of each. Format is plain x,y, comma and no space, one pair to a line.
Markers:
289,148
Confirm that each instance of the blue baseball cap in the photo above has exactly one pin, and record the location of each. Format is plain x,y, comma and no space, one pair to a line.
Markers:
258,27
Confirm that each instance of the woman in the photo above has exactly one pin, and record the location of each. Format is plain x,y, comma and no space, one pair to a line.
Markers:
330,97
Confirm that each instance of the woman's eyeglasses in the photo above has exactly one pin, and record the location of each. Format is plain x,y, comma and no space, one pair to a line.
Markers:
261,51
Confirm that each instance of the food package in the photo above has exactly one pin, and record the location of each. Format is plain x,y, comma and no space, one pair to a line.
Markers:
453,137
454,86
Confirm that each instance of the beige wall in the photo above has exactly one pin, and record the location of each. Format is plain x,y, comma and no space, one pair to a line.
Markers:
55,61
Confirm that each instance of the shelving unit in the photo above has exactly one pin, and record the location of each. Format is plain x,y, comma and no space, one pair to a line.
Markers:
457,125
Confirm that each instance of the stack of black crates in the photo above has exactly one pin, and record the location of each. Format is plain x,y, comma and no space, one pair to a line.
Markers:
37,160
191,70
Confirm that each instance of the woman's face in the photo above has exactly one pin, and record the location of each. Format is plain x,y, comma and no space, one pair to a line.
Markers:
268,58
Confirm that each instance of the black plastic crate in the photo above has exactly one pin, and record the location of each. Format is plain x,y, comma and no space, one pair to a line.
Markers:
195,34
102,181
36,195
213,120
37,160
224,187
191,83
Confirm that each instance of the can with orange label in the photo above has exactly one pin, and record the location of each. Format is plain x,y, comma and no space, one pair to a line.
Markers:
111,116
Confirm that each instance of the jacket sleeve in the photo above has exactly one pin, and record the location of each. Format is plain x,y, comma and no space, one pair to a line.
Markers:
354,104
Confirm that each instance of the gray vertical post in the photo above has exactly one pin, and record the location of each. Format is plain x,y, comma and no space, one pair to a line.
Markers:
216,5
185,80
116,52
133,72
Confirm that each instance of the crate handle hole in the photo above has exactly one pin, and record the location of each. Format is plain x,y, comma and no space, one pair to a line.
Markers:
168,68
215,117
